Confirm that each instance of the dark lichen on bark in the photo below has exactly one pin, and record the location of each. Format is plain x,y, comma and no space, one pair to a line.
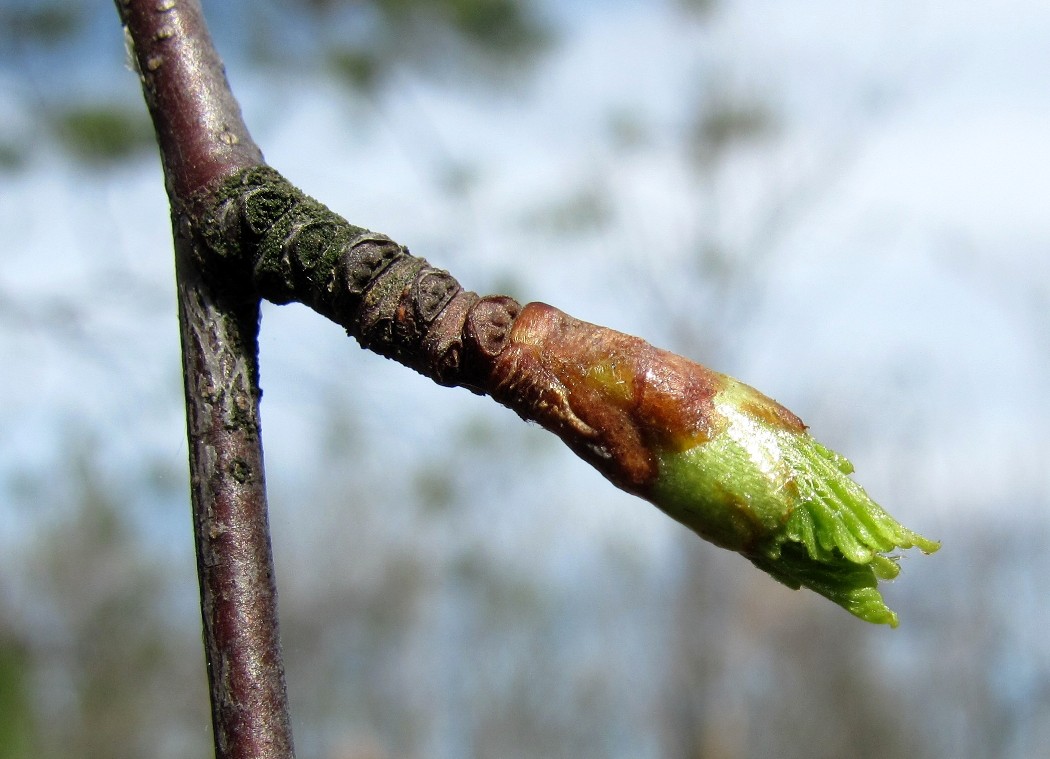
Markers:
290,248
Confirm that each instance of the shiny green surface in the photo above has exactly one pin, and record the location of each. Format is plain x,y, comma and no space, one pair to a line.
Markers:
788,504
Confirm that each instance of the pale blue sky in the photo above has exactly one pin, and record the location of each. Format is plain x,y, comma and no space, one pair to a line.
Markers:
899,305
918,129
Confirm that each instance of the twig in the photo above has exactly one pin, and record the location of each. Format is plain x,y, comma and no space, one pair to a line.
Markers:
728,462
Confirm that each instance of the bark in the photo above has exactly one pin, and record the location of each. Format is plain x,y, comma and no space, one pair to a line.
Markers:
202,141
264,233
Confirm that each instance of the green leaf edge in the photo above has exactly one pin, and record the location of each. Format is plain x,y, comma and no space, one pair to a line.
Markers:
807,523
837,541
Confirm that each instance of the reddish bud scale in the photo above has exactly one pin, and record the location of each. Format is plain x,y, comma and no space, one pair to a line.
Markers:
611,397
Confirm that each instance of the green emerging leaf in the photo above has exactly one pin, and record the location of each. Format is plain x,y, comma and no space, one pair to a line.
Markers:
787,503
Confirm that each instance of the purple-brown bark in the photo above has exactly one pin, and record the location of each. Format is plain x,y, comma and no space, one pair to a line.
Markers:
202,141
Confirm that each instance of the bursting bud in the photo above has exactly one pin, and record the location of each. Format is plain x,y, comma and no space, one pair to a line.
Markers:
720,457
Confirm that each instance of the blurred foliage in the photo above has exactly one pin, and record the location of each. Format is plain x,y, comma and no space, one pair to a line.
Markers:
724,121
17,723
502,26
101,133
47,22
361,69
627,129
12,154
427,643
64,58
362,43
585,210
699,7
105,668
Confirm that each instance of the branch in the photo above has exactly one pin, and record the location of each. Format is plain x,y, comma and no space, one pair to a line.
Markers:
728,462
731,464
203,141
200,132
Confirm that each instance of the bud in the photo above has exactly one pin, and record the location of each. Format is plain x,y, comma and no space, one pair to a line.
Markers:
720,457
763,486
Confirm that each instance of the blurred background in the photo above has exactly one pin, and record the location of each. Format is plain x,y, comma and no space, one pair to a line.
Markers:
841,204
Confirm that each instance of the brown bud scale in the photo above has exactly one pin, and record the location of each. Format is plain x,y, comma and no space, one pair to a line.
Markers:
610,396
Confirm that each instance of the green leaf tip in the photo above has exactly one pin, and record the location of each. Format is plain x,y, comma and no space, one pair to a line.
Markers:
769,490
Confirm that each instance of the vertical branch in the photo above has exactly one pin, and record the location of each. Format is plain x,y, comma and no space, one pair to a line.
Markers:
234,559
203,140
